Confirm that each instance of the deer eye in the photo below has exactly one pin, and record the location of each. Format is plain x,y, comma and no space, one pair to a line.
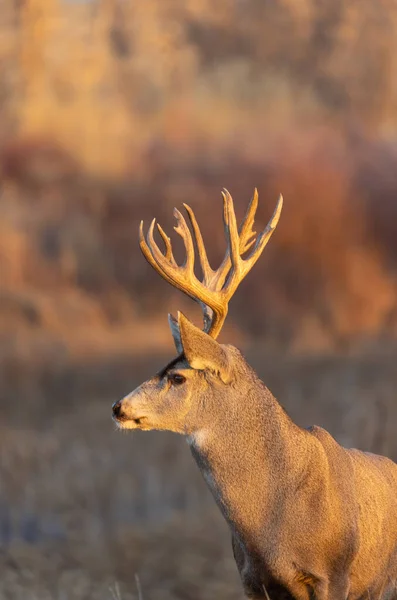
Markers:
176,378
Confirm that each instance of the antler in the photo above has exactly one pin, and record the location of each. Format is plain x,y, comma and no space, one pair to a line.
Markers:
217,287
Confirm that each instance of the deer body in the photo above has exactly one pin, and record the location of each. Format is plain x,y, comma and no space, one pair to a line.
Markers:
310,520
273,484
293,499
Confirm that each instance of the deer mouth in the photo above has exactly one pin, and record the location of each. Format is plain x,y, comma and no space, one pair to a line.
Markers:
124,422
123,417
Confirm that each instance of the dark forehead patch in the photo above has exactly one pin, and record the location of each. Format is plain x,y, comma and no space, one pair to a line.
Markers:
178,359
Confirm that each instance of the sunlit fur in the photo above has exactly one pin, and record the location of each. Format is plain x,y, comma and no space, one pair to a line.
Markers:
309,519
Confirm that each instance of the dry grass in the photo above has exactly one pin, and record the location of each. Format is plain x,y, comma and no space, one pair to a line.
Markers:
84,507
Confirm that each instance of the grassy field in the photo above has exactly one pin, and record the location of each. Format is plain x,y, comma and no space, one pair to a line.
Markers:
87,512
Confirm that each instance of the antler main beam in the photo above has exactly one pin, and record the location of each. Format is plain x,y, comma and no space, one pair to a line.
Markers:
217,287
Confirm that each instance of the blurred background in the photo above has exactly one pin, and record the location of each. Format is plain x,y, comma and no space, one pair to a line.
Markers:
113,111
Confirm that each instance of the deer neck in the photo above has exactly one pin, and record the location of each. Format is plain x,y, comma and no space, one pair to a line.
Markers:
250,457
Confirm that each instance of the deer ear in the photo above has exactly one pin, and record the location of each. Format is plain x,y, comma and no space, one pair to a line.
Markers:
201,350
176,334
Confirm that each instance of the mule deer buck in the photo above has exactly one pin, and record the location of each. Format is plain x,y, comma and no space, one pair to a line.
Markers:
310,520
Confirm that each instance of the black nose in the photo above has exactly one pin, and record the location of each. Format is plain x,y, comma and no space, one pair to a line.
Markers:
116,408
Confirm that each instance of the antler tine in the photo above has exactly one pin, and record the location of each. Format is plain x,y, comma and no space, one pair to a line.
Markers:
208,272
246,229
147,252
231,231
167,242
264,237
183,230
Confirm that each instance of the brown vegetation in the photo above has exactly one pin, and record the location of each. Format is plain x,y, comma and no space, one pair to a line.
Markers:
150,106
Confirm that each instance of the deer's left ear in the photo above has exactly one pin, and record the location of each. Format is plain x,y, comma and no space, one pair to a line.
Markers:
201,350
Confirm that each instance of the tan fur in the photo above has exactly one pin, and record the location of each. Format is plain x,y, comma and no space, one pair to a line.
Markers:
309,519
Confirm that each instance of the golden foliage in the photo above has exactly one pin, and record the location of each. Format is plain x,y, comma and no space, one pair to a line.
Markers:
114,111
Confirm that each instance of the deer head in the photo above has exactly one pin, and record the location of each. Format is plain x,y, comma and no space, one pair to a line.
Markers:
175,398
